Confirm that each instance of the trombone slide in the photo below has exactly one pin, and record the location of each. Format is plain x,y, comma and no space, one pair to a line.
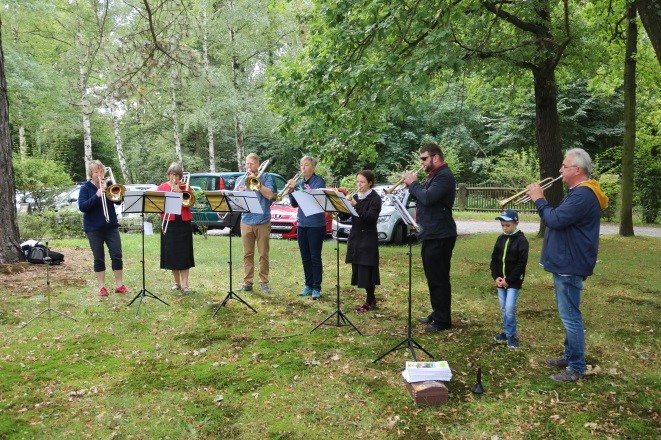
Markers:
522,197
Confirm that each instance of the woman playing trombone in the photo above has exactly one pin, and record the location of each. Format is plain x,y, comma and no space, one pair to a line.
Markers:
101,226
177,239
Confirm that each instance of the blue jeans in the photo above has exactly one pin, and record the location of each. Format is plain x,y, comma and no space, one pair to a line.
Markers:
111,238
310,241
507,297
568,291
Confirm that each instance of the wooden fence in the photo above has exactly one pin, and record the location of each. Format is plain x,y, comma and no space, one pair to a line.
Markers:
485,198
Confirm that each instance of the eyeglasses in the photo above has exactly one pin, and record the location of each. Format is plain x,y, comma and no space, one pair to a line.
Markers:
424,158
569,166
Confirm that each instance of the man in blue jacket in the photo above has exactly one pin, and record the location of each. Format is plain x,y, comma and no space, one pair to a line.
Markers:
569,252
434,200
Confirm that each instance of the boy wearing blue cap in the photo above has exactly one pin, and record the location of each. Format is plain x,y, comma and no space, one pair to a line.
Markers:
508,268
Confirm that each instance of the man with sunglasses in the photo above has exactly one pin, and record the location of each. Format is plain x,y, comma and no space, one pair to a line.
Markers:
435,197
569,252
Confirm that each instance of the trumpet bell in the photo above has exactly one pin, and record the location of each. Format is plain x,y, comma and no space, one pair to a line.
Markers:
115,193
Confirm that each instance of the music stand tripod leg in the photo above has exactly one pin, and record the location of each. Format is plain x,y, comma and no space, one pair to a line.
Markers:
340,316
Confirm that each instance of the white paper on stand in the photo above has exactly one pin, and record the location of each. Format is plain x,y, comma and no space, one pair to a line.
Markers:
243,201
173,203
307,202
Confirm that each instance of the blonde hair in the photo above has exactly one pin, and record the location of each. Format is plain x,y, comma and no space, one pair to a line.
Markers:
253,156
93,165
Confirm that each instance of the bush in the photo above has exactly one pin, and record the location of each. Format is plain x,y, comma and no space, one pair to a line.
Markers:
55,224
610,185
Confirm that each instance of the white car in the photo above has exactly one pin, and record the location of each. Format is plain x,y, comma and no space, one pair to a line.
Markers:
69,198
390,227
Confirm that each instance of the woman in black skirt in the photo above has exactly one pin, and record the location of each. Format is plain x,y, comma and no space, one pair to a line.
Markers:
177,240
363,242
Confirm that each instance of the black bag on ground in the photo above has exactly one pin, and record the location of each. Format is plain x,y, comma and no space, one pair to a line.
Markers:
37,254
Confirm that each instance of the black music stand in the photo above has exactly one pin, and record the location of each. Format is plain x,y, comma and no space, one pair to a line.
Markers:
328,201
409,341
149,201
229,202
49,309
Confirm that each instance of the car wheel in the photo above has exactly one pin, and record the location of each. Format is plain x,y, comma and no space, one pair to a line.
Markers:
398,234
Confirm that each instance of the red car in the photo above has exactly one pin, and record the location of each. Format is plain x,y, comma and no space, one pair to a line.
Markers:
283,220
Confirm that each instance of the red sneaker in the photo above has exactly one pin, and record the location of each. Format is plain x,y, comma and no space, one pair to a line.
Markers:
103,291
122,289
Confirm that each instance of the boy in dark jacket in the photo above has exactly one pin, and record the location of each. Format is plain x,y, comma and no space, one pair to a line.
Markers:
508,268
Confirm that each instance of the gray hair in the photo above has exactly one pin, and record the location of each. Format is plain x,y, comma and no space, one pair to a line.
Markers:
581,159
176,169
310,159
93,165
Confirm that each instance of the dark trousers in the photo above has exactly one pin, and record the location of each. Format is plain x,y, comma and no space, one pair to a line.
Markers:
436,256
111,238
310,241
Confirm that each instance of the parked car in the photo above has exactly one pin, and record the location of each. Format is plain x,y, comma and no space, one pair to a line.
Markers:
203,216
284,223
390,226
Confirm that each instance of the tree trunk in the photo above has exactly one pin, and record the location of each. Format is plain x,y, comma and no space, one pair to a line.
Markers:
626,189
118,144
175,126
547,131
238,137
205,53
10,249
85,107
650,15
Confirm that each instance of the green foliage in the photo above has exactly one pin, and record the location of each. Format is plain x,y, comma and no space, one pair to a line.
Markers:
514,168
65,223
610,185
40,177
648,179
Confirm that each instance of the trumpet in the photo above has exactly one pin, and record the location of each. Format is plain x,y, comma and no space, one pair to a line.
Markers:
284,191
522,197
252,182
400,181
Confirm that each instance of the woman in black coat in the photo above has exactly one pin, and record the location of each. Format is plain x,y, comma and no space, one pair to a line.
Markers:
363,242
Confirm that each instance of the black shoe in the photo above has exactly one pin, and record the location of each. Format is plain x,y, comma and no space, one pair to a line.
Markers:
425,320
433,327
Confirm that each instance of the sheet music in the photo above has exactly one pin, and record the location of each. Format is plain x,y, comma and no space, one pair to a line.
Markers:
307,202
243,201
133,201
173,203
408,219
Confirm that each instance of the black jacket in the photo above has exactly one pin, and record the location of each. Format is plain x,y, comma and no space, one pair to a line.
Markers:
435,197
512,266
363,242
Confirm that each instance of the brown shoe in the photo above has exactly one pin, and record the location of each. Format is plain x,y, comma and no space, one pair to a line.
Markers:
566,376
558,362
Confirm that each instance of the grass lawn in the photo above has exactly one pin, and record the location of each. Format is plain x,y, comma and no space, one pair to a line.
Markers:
177,372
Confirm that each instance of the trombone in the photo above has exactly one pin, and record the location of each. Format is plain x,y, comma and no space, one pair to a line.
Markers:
522,197
252,182
114,192
187,198
284,191
400,181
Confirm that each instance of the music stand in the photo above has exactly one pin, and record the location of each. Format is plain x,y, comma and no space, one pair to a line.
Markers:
49,309
150,201
314,201
409,341
228,202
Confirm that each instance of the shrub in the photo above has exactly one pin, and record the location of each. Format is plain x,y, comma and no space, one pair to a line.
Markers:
610,185
55,224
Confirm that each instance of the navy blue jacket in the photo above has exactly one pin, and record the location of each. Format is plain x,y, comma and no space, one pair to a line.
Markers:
571,240
434,204
93,217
